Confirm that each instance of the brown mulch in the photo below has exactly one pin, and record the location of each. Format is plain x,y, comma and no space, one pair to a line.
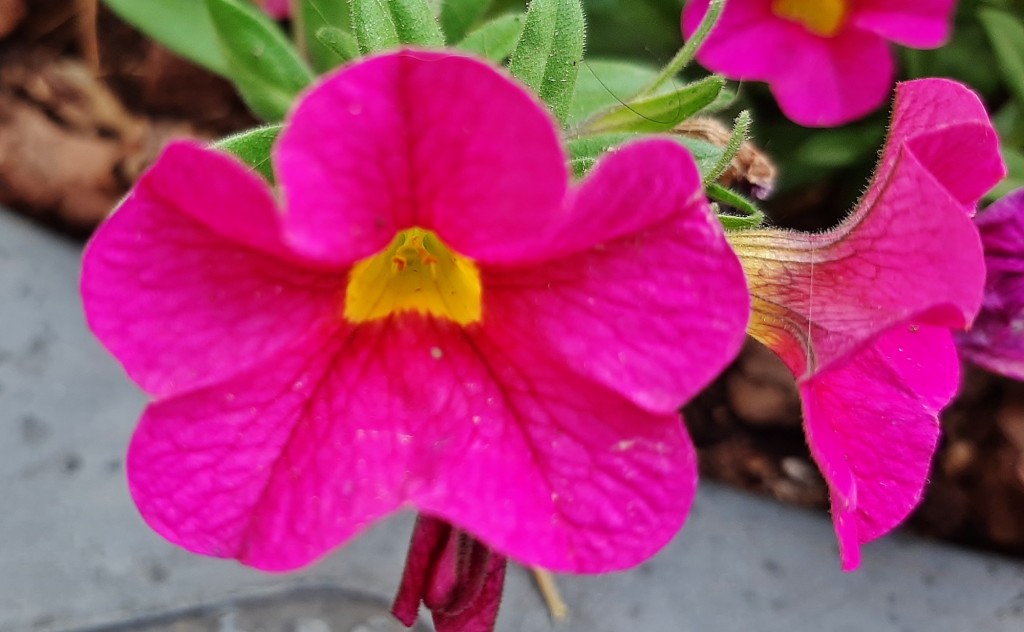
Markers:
86,105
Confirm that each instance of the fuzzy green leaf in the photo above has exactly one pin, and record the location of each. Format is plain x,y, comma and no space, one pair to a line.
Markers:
262,63
661,112
604,83
495,39
550,50
459,16
316,15
752,217
387,24
253,148
586,151
342,44
184,26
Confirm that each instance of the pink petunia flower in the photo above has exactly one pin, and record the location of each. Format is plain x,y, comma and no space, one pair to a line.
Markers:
996,341
827,61
862,314
436,318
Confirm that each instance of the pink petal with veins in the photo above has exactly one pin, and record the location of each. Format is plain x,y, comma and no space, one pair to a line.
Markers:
434,140
188,282
621,310
872,424
287,461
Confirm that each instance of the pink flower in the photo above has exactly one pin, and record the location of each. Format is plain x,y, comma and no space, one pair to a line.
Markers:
827,61
996,341
434,318
862,314
277,9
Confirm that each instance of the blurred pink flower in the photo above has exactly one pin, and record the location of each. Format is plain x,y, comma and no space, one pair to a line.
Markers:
827,61
434,319
862,314
277,9
996,341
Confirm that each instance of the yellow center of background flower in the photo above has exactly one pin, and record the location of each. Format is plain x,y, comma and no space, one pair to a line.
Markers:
821,17
416,273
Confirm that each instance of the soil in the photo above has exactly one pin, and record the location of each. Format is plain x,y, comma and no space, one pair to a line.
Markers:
87,103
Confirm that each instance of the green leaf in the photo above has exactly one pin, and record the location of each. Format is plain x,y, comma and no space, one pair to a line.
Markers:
586,151
262,63
1006,33
661,112
459,16
605,83
184,26
549,51
495,39
387,24
316,15
253,148
752,216
342,44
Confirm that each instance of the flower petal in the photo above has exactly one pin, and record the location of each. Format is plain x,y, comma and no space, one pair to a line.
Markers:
851,73
193,254
914,23
727,50
872,424
945,125
285,462
625,302
382,146
912,254
996,340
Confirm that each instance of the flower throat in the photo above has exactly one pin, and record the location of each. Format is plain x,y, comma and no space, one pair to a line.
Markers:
417,273
821,17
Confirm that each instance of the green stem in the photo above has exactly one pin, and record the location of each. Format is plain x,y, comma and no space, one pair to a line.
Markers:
740,132
689,49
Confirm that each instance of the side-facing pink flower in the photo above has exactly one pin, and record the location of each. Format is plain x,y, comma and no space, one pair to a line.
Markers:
862,314
435,319
996,341
827,61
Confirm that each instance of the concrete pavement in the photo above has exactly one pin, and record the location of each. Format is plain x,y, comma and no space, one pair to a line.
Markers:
74,554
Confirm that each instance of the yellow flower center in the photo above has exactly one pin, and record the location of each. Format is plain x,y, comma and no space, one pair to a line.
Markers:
821,17
417,272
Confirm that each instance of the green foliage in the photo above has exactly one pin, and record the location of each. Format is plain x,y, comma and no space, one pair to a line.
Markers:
549,51
262,62
495,39
383,25
660,112
1007,36
253,148
750,216
184,26
323,51
459,16
586,151
605,83
342,44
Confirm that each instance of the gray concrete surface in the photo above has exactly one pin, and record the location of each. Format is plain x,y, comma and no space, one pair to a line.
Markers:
75,556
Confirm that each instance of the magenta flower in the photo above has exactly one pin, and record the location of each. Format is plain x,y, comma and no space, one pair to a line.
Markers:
827,61
434,319
996,341
277,9
862,314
